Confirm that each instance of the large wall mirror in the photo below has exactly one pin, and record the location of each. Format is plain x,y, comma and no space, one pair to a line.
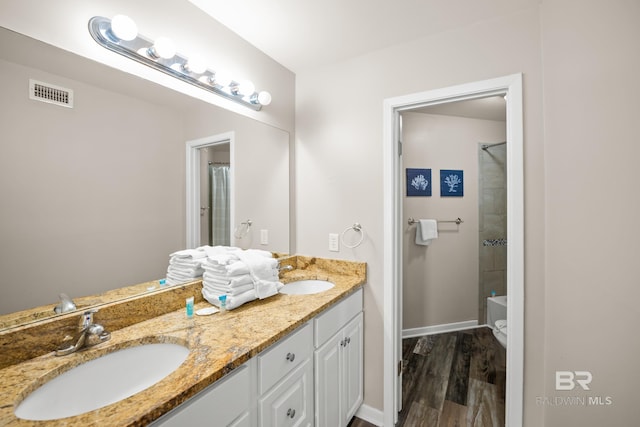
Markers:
94,196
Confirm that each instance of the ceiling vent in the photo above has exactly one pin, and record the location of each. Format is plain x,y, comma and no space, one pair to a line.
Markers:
51,94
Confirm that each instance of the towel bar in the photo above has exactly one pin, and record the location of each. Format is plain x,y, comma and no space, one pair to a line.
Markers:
458,221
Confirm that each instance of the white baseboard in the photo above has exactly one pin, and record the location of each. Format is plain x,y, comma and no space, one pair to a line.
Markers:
370,415
438,329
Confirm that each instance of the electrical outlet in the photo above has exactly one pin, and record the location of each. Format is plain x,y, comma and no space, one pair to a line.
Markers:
264,237
334,242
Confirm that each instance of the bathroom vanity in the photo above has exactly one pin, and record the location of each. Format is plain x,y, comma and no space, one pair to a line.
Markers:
286,360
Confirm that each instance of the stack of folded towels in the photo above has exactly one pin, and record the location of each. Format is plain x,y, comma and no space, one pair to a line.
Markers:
185,266
241,275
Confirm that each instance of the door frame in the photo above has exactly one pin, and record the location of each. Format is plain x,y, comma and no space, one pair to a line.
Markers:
511,87
193,183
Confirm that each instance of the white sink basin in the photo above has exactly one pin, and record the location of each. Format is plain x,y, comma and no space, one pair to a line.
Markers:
102,381
306,287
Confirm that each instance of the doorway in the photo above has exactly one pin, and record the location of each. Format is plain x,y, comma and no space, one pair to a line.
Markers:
215,193
453,369
204,156
511,88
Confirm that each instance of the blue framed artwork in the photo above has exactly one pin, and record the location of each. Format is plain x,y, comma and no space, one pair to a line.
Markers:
451,183
418,182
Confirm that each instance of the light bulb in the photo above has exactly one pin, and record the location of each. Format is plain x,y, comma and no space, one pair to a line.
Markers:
246,88
163,48
123,28
264,98
196,65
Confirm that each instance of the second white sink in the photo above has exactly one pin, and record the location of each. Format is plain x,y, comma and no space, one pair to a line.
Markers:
102,381
306,287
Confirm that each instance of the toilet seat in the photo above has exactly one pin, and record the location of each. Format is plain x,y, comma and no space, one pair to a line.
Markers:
500,332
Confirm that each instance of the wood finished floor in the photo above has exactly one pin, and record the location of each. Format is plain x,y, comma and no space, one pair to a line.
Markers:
455,379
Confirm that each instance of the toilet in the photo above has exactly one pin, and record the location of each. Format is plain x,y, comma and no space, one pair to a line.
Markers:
497,317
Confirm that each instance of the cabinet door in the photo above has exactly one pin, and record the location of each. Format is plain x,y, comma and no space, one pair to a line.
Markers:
290,403
328,383
352,377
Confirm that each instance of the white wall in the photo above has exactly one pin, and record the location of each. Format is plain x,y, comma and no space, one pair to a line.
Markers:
591,67
339,157
441,281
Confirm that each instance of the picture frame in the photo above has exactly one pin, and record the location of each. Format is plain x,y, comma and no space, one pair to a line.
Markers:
451,183
418,182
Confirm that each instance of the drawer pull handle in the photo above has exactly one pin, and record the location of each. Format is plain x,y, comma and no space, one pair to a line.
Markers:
291,413
291,357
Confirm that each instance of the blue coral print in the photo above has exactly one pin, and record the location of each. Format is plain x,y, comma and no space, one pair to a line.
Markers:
451,183
418,182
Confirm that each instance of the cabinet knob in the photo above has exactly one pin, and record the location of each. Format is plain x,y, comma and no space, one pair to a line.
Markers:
348,340
291,413
291,357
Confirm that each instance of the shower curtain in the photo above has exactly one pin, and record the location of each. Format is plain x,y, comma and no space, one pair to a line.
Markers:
219,220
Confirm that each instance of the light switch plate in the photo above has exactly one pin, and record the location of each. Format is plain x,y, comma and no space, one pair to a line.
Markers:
334,242
264,237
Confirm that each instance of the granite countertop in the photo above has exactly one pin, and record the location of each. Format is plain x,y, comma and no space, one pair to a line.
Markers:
218,344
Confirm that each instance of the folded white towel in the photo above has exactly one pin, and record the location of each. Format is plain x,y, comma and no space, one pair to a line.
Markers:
192,272
426,231
232,282
183,263
189,253
233,301
226,290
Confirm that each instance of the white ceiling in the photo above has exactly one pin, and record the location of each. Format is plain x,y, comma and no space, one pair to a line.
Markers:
306,34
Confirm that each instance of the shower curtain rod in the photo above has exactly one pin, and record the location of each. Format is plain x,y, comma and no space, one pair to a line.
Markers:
220,164
487,146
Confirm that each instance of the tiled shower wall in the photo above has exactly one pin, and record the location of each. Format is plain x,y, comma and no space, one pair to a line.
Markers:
492,202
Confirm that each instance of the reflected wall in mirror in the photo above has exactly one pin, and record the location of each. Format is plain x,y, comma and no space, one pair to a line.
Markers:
93,197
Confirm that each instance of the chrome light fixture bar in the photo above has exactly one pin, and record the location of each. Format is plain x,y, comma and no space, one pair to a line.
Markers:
120,35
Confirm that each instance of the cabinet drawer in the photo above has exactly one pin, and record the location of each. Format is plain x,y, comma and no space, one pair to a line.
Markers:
290,403
332,320
284,357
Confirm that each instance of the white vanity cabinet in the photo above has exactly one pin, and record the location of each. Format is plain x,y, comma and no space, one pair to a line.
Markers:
338,363
227,403
313,376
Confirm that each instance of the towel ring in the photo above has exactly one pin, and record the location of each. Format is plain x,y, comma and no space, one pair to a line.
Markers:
358,229
243,229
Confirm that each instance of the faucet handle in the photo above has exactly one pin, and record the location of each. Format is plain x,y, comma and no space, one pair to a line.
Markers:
86,319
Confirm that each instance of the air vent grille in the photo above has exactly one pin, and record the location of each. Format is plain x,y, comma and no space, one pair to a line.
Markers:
51,94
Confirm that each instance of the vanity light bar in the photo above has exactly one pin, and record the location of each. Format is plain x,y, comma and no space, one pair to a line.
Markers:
161,56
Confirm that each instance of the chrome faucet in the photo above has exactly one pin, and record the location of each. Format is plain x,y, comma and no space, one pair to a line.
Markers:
66,304
89,334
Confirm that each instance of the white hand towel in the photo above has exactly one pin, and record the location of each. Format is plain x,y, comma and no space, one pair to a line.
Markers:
426,231
265,288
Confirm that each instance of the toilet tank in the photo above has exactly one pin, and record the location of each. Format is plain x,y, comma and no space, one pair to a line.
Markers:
496,309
